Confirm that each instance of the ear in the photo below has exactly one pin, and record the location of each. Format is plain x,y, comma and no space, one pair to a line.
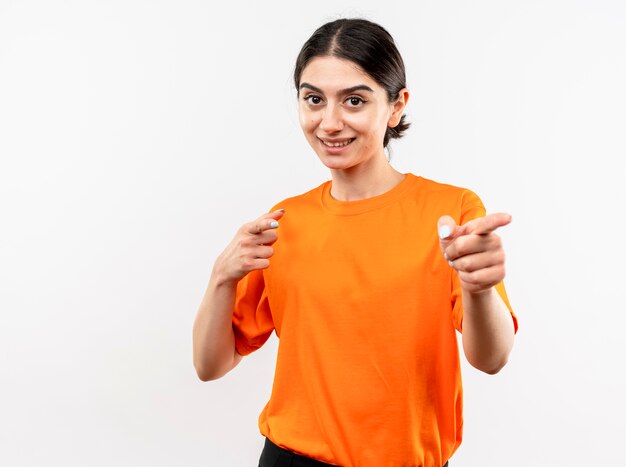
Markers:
397,108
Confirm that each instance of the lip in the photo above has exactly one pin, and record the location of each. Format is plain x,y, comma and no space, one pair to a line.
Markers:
335,149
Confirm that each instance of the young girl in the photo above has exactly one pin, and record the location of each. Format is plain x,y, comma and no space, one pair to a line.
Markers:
364,279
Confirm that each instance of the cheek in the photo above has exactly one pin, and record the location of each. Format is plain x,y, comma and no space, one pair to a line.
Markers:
367,123
307,121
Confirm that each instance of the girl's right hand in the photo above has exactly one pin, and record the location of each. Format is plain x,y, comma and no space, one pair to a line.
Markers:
250,249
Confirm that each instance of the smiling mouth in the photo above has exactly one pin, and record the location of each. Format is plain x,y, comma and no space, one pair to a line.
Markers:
337,144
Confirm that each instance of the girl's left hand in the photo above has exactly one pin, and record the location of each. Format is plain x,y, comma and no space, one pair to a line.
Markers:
474,250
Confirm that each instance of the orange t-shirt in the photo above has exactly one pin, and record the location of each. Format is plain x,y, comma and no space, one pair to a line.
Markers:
365,308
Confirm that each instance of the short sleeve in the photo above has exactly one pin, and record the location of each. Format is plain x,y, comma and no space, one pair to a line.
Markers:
252,317
472,208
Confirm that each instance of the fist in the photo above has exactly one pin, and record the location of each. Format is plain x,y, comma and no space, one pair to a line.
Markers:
474,250
250,249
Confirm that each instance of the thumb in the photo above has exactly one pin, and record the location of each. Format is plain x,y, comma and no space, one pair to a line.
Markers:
447,231
446,228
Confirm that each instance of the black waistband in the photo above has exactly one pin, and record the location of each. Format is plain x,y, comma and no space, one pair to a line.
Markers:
276,452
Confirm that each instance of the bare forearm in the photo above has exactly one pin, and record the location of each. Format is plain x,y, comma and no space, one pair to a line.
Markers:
214,352
488,330
213,339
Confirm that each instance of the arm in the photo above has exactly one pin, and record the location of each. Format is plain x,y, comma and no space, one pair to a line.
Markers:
476,253
214,352
487,330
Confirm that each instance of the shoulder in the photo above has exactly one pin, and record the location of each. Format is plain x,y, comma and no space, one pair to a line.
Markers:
444,191
459,202
308,198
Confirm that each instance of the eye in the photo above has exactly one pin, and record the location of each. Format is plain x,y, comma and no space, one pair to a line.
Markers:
355,101
313,99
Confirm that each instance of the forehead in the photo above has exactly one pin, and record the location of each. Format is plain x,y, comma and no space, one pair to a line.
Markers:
332,73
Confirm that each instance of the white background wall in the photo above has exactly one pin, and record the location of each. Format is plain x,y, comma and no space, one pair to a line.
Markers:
136,136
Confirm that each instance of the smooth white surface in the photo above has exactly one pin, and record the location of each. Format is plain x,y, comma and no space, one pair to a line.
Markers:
136,136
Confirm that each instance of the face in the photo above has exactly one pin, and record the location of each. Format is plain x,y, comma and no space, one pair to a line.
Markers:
344,113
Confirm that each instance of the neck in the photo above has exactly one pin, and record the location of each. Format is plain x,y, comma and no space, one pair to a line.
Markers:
363,182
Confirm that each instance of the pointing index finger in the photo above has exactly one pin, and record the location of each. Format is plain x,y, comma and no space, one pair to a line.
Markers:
265,222
489,223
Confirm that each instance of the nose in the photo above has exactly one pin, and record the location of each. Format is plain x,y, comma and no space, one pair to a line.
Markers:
331,119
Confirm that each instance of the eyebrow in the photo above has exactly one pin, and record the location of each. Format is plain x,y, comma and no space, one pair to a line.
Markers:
358,87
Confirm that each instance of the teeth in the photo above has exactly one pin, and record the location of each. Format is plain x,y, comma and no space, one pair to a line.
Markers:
337,145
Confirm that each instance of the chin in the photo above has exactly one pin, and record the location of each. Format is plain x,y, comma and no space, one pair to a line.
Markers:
336,164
